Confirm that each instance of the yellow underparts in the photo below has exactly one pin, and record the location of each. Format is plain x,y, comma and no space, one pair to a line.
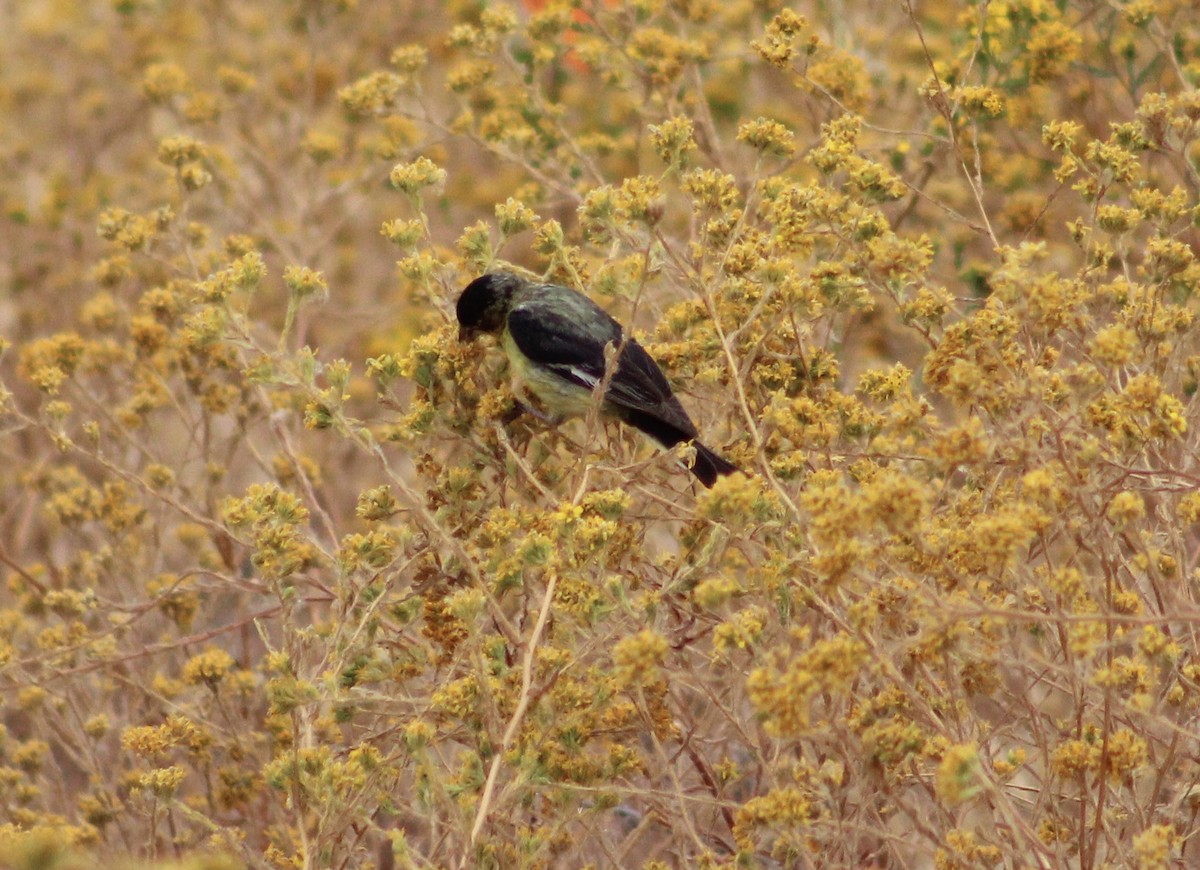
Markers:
560,397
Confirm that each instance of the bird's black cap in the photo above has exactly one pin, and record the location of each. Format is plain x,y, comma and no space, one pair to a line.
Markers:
484,304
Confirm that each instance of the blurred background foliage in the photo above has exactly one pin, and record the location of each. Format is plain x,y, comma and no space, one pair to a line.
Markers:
285,585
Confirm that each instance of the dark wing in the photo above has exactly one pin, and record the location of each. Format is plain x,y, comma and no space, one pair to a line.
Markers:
640,387
564,335
567,333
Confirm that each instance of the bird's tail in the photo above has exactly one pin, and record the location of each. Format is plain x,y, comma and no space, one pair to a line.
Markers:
709,466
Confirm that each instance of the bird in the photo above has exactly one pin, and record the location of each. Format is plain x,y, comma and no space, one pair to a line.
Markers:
557,341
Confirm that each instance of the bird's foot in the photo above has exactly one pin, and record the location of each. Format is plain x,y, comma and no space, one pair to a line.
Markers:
520,408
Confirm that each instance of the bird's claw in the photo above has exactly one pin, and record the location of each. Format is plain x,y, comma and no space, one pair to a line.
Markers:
520,408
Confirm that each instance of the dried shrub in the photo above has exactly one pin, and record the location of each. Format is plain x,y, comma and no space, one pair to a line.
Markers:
286,585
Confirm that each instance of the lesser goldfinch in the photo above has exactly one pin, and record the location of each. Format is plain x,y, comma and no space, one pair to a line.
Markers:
555,339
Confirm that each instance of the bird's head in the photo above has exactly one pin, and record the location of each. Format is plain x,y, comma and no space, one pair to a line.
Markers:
484,304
